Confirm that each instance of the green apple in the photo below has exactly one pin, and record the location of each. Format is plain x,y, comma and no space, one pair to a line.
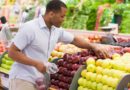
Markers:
8,62
127,68
116,56
94,85
99,86
104,79
99,70
91,68
98,78
106,71
106,64
90,61
85,89
7,57
80,88
89,84
4,61
83,73
85,82
105,87
93,77
88,74
99,62
109,88
80,81
115,82
5,66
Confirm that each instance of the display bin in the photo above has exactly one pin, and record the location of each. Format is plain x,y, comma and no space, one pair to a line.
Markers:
74,83
121,86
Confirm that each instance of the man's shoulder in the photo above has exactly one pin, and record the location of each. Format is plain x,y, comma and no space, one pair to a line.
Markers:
32,24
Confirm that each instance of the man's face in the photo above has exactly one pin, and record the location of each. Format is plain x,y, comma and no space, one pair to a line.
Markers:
58,17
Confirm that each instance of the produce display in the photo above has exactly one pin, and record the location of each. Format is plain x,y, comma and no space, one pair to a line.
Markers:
104,74
6,64
68,67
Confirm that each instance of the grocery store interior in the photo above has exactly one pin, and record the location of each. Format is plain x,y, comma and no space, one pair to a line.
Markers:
99,22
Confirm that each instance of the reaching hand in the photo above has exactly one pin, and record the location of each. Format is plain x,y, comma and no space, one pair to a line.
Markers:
101,50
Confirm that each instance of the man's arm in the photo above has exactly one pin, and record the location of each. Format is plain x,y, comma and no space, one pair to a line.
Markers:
18,56
97,48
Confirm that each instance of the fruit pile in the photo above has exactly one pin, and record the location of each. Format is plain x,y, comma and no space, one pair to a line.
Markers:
6,64
68,67
2,48
60,49
104,74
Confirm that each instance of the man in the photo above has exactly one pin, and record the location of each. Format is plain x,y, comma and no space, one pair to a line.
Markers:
35,41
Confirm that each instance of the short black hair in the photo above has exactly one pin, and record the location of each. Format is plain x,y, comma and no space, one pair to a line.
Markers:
55,5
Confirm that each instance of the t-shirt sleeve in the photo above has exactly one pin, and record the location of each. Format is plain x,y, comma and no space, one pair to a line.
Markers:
23,38
66,37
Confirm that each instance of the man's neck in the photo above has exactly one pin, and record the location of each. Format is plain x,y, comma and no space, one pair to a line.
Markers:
47,22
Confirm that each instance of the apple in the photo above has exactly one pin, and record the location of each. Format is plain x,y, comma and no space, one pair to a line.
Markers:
115,82
75,66
88,75
99,62
127,68
80,81
99,86
93,77
99,70
69,66
39,81
60,62
106,71
80,88
110,88
84,53
105,87
85,89
72,73
90,61
85,82
98,78
83,73
104,79
94,85
116,56
89,84
41,87
91,68
55,76
106,64
65,63
75,58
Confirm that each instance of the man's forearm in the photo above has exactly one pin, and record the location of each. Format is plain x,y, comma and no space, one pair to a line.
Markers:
21,58
82,43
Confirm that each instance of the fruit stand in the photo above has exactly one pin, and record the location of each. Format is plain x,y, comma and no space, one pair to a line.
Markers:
81,69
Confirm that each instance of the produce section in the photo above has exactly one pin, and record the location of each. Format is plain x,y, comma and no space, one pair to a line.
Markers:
81,69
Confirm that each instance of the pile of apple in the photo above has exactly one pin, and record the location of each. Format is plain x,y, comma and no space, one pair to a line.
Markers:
61,48
68,67
104,74
2,48
6,64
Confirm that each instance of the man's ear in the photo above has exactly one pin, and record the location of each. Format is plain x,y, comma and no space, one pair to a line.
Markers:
51,14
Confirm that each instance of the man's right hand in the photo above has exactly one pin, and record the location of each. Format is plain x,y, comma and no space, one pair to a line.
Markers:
40,67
